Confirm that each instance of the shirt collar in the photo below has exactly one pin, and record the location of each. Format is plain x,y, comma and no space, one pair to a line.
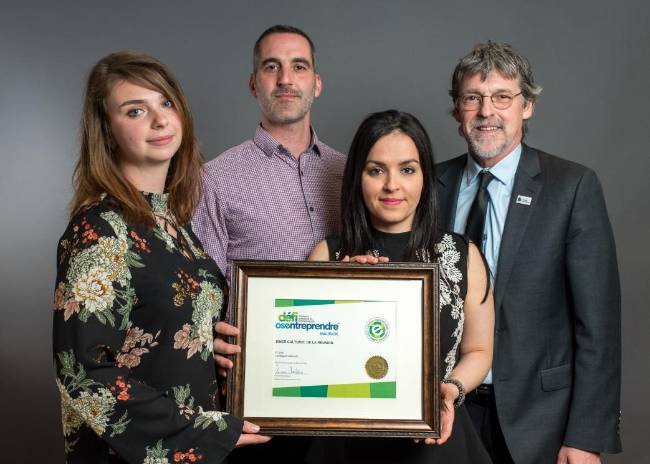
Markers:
270,145
504,171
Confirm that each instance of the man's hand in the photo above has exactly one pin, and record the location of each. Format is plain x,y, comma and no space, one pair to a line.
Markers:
222,348
448,394
568,455
248,436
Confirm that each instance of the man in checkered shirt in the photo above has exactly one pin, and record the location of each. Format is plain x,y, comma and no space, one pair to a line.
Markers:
276,196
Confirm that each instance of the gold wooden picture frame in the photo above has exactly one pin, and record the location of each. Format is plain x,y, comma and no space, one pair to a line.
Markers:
306,329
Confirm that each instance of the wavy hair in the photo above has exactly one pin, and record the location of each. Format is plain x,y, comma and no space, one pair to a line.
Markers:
502,58
97,171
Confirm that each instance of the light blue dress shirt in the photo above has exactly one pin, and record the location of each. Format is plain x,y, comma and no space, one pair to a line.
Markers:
500,191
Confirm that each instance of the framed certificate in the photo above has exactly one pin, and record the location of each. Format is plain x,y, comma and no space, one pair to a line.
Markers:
332,348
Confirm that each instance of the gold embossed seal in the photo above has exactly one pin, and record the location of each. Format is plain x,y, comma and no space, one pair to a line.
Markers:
377,367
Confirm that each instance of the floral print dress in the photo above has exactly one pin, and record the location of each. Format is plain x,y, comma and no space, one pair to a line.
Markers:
134,312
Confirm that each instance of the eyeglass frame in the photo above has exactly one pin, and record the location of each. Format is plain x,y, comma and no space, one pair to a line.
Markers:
460,106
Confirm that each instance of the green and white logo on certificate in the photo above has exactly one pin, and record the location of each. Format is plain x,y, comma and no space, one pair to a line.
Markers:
334,349
377,329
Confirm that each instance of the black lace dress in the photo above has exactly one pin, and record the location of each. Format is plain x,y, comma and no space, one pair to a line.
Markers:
464,445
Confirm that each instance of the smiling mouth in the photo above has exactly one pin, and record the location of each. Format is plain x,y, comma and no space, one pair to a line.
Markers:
485,126
160,141
391,201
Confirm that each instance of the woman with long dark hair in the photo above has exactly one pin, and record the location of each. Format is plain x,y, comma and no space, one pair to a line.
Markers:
136,297
389,213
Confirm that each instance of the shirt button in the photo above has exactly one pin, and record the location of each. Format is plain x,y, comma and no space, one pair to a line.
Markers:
311,208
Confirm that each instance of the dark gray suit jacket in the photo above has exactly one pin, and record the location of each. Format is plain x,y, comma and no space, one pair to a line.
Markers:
557,346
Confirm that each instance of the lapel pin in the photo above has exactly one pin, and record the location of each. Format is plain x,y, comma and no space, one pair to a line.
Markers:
523,200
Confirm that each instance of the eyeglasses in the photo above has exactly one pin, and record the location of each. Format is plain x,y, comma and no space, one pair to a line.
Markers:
473,101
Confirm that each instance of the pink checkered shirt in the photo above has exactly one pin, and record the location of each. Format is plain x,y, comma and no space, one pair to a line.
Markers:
260,202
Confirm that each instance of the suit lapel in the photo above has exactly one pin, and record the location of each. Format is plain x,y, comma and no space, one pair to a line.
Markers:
449,179
528,184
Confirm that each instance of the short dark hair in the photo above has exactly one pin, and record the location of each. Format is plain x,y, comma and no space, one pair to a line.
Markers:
502,58
356,231
281,29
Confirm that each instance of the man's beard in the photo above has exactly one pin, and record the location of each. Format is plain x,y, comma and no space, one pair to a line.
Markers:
474,140
486,155
274,111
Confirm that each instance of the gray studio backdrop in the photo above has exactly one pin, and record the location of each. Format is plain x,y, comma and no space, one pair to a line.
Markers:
591,57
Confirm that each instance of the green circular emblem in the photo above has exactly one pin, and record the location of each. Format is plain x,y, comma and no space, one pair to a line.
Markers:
377,329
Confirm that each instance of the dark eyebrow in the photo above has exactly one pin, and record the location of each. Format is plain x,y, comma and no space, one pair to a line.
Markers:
401,164
303,61
272,59
269,60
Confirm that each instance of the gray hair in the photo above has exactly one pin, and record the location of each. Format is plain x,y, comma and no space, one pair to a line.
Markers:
502,58
281,29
